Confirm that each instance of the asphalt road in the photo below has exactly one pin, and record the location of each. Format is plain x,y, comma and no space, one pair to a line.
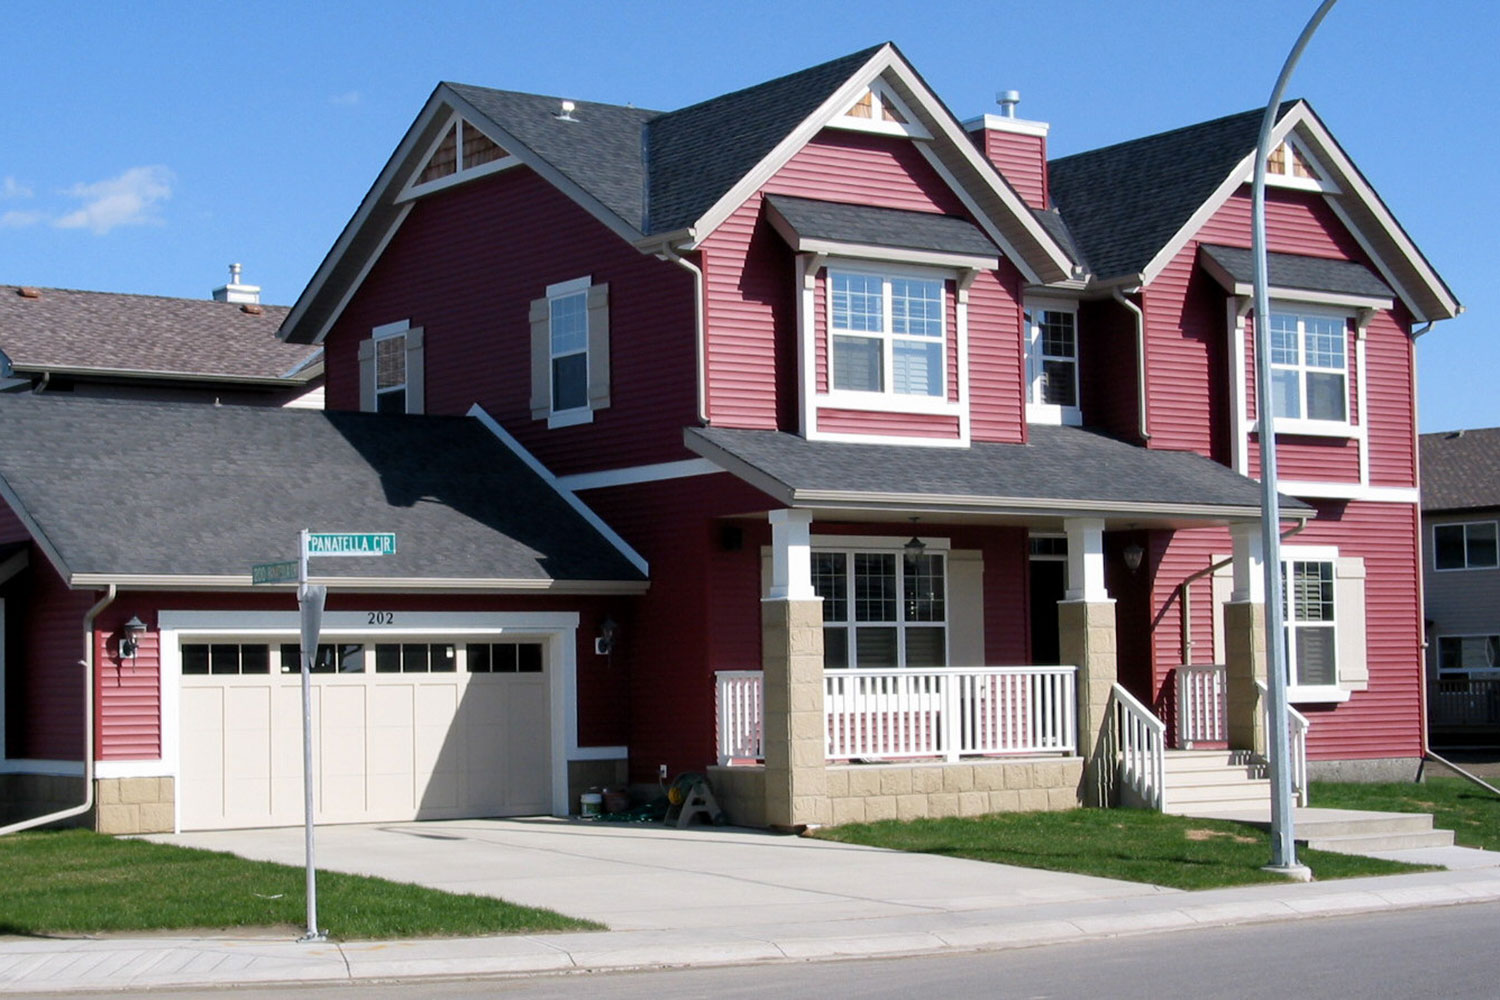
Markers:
1443,952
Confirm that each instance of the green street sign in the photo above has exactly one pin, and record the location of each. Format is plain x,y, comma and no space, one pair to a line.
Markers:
334,543
276,572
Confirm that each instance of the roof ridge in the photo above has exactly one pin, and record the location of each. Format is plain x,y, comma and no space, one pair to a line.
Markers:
1175,132
454,85
135,295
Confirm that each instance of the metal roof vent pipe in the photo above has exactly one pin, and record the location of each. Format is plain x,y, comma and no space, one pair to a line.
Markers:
235,291
1008,99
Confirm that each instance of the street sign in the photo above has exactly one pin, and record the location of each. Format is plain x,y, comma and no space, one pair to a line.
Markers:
276,572
335,543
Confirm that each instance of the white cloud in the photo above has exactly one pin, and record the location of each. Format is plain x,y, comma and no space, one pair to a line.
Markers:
127,200
348,97
17,219
12,188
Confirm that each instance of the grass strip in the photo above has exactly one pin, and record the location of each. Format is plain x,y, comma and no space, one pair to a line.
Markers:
81,882
1472,813
1130,844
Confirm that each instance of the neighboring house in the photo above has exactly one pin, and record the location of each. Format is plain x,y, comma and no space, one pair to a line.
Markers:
936,456
1461,583
57,340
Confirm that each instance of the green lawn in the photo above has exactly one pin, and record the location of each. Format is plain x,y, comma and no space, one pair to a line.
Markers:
77,881
1131,844
1472,813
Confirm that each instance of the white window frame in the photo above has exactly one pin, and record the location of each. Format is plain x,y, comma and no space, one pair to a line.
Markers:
896,549
887,399
1305,425
1037,410
1306,693
1287,179
584,412
1460,672
1465,568
881,97
385,332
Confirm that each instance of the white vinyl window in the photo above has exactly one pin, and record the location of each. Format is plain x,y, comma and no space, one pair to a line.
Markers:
887,334
1472,545
1052,364
1310,622
1309,367
390,372
882,609
568,339
570,352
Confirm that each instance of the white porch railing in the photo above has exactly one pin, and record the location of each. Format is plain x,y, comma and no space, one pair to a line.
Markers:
1200,704
1297,726
1135,747
945,713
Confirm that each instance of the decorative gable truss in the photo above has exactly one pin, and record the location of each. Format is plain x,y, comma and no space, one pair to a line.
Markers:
880,110
460,153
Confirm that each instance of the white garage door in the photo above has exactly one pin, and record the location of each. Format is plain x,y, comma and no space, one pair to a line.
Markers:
401,730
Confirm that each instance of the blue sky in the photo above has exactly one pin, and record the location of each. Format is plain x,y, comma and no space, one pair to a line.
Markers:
148,145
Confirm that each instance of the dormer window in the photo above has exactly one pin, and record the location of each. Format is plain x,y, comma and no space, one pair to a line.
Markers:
1052,363
887,334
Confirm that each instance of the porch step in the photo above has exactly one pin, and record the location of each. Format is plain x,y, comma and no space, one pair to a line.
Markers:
1346,831
1198,781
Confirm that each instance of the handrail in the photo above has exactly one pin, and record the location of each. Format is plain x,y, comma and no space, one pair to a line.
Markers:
1201,715
1134,750
1297,734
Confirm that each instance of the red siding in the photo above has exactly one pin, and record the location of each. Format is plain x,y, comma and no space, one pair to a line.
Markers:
927,425
1021,160
466,265
1390,399
997,358
127,692
1107,368
865,169
45,677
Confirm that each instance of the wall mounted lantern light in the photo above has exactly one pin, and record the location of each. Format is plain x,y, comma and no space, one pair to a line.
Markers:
604,644
131,640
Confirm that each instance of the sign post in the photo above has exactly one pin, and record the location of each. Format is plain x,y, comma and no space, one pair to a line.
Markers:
311,599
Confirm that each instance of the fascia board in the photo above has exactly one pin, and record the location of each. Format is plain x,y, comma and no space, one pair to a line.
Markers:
957,503
14,565
1286,293
738,467
385,184
38,536
544,168
310,367
162,375
393,585
1226,189
899,255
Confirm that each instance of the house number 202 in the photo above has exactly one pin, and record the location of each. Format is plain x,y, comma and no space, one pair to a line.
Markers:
382,618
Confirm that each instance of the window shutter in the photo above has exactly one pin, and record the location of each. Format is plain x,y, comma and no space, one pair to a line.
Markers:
1349,619
367,375
541,361
1223,589
416,401
598,304
966,608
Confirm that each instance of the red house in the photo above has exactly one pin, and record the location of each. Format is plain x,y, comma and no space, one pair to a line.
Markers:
937,457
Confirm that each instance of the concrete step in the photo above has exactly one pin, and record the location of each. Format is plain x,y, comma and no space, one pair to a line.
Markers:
1245,796
1347,831
1203,807
1371,842
1361,823
1222,776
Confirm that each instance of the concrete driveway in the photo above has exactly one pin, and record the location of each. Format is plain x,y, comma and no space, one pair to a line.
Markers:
647,877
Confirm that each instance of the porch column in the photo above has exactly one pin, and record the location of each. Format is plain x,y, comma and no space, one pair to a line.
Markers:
1245,654
1086,639
794,741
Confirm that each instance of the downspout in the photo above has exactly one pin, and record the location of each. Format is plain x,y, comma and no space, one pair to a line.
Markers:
668,252
1185,595
1140,356
88,725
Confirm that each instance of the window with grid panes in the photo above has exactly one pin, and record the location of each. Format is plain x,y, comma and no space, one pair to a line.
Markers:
1474,545
1309,366
882,609
390,373
415,658
887,334
226,658
1311,636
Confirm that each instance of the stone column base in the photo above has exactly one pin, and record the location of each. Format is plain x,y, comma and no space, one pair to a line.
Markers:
1245,663
795,732
1086,639
134,805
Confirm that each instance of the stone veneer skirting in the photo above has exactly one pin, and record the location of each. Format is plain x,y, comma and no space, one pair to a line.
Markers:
859,793
134,805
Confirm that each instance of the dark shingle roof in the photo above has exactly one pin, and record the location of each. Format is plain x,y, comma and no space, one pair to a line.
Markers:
885,227
1461,469
1059,464
1287,270
144,333
183,489
1123,203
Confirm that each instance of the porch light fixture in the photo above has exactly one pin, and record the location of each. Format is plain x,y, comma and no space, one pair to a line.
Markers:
1133,554
131,640
915,547
604,644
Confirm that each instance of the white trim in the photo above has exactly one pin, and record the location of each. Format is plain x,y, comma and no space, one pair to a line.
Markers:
1239,413
1317,694
153,768
570,287
416,189
570,418
391,584
1385,272
1007,247
877,543
583,510
1037,411
337,312
895,255
632,475
1303,427
1195,222
881,93
808,266
1349,491
1002,123
385,330
33,529
846,437
891,402
357,622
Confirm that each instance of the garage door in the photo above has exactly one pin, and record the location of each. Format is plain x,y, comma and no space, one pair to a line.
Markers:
401,730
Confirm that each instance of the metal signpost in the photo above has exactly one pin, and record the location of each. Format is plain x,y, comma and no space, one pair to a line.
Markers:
310,601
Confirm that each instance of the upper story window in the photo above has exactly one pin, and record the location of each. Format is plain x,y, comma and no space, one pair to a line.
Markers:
1473,545
887,334
882,609
390,369
1052,363
1309,366
570,352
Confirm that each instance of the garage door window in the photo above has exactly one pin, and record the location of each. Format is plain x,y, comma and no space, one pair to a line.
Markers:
505,657
343,658
415,658
226,658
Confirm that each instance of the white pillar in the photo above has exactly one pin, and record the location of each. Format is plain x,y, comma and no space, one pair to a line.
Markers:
791,555
1085,559
1249,560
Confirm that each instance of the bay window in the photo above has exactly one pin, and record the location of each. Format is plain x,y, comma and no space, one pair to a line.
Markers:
882,609
887,334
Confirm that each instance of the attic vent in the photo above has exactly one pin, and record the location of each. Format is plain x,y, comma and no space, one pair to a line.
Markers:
462,148
444,159
872,107
479,148
1277,163
566,115
27,292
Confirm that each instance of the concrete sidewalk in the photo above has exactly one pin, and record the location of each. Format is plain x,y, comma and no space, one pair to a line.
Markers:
691,897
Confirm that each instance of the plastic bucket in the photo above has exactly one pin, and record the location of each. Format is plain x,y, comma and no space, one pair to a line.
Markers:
589,804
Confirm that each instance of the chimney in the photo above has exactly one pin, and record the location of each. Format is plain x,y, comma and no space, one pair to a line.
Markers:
236,292
1017,147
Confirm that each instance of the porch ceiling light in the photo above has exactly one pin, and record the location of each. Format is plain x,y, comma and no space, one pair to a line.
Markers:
131,640
604,644
915,547
1133,555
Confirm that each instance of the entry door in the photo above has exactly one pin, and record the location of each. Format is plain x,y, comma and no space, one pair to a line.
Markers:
1048,585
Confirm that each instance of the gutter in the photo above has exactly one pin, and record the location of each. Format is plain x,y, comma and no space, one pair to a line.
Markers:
1118,294
88,726
668,252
